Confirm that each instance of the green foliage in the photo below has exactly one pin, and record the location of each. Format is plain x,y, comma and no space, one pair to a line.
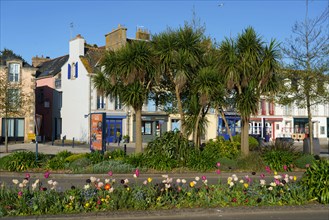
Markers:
168,151
80,164
117,154
253,143
95,157
58,162
279,155
23,160
316,179
221,148
75,157
252,162
304,160
114,165
135,159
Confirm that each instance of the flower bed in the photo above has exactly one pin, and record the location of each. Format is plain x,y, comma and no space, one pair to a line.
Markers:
39,197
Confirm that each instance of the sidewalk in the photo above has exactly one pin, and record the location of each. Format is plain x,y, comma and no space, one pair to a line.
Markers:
48,148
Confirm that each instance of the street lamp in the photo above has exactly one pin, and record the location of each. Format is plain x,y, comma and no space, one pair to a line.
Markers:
128,122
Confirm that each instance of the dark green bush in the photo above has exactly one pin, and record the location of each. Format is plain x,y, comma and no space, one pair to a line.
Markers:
58,162
253,143
279,155
96,157
252,162
316,179
23,160
80,164
168,151
117,154
136,160
303,160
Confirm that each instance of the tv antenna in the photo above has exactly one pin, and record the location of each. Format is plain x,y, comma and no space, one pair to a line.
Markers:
71,29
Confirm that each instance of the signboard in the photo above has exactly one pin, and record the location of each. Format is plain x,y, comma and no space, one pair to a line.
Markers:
31,136
97,132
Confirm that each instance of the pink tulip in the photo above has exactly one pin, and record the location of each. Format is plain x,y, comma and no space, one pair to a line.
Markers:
218,164
47,174
110,173
218,171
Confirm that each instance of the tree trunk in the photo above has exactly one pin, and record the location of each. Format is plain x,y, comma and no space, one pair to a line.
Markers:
6,132
196,131
245,137
139,141
310,123
226,125
180,111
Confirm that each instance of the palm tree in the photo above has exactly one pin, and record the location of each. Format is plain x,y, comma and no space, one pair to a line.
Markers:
129,73
179,52
249,66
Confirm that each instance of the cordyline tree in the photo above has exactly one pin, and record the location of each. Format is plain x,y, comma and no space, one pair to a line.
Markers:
306,76
249,66
129,73
179,52
12,97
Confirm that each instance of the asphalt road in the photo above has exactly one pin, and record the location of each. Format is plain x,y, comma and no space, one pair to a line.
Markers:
305,212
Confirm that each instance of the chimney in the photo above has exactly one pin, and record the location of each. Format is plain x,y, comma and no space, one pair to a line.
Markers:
36,61
116,38
77,47
142,34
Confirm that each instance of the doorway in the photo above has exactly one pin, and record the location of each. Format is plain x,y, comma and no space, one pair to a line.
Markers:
112,126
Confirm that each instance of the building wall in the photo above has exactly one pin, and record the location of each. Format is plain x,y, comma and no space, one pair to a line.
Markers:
27,85
75,109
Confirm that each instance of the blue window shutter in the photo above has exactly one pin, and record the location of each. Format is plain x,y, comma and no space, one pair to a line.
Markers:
76,70
69,72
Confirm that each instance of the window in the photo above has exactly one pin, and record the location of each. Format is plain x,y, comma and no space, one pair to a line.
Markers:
15,127
14,69
117,103
322,128
13,99
101,102
147,128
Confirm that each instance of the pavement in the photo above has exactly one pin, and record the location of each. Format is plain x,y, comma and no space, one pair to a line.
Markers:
48,148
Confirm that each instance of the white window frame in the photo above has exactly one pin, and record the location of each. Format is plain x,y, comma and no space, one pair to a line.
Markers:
14,72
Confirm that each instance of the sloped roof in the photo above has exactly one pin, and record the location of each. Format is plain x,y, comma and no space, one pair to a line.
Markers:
51,67
8,57
92,57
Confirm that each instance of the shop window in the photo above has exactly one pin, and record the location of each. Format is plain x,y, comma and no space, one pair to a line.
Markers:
147,128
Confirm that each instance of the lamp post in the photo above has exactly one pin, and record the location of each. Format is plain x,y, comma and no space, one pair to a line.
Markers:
128,122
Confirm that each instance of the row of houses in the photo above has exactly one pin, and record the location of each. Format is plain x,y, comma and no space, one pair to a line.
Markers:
65,98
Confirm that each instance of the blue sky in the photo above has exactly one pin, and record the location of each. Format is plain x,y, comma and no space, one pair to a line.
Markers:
31,28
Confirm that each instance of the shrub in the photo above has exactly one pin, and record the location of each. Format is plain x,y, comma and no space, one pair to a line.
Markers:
95,157
221,148
279,155
75,157
80,164
117,154
136,160
253,142
58,162
252,162
113,165
304,160
168,151
316,179
23,160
